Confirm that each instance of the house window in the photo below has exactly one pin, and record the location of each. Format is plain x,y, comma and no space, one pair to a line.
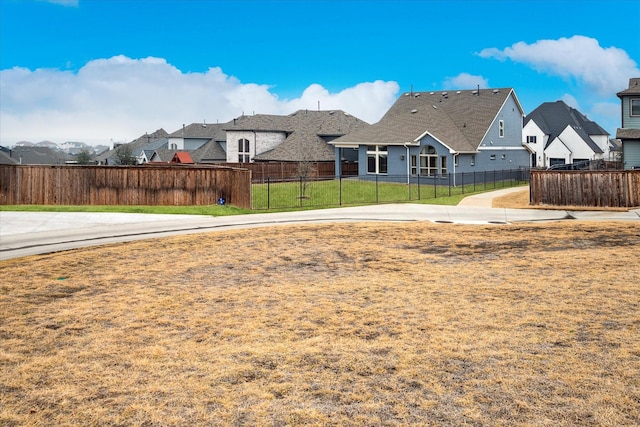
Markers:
492,157
501,128
243,151
473,160
377,159
414,165
635,107
428,161
443,165
531,139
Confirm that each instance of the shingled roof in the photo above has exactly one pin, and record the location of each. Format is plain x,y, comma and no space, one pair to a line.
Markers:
633,89
554,117
459,119
136,146
215,131
308,133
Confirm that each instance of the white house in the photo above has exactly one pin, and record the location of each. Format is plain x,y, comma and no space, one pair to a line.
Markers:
557,134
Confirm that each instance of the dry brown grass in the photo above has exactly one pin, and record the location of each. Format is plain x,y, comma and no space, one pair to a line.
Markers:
342,324
515,200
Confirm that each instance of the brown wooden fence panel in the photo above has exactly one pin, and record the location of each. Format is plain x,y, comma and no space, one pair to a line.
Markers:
279,171
124,185
596,188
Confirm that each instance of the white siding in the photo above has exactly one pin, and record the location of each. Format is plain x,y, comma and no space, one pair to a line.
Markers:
259,142
532,129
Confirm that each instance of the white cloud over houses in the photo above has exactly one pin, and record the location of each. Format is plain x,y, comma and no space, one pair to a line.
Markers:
465,81
120,98
604,70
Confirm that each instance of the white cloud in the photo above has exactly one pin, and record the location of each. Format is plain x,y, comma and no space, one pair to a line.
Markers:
120,98
465,81
603,70
571,101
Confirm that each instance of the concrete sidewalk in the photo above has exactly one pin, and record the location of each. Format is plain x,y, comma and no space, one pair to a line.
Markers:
30,233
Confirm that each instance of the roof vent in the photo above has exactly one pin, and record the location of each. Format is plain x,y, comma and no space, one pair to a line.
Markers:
458,92
495,91
434,106
430,93
445,93
417,94
414,111
474,92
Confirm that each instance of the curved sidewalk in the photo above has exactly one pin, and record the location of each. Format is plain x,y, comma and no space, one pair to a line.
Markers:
31,233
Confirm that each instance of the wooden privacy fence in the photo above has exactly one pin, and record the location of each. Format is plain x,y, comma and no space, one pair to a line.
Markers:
279,171
124,185
586,188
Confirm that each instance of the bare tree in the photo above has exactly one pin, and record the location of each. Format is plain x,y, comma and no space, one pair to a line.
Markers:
124,156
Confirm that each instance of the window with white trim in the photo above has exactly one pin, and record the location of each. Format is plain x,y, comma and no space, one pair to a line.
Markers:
244,155
531,139
377,156
501,128
414,165
428,161
634,107
443,165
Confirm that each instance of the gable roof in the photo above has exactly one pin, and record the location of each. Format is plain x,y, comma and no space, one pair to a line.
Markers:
553,118
182,157
211,151
459,119
307,133
136,146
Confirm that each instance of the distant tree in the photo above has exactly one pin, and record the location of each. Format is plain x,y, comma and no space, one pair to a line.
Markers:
124,156
84,157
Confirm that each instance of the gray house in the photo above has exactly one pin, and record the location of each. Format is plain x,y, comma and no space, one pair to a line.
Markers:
433,134
629,134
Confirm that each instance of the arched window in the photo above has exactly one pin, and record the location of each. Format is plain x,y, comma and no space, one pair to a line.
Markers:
428,161
243,151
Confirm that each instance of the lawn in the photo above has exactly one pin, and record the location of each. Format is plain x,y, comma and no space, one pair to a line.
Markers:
329,325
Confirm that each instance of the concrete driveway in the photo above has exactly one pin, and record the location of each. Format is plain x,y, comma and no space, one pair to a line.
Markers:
31,233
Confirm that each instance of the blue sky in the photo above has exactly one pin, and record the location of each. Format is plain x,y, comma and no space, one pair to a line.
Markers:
111,70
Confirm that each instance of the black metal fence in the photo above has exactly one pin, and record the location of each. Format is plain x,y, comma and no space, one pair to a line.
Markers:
307,192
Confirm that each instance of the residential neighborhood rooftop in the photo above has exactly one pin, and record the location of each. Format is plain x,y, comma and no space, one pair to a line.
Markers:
459,117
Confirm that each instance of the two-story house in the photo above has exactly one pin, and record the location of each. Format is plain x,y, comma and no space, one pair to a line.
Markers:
301,136
432,134
629,133
557,134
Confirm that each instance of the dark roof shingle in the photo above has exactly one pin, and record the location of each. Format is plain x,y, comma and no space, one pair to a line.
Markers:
459,119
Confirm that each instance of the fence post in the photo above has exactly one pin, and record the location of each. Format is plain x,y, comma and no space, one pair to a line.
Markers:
377,189
419,187
340,189
300,196
435,188
268,193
